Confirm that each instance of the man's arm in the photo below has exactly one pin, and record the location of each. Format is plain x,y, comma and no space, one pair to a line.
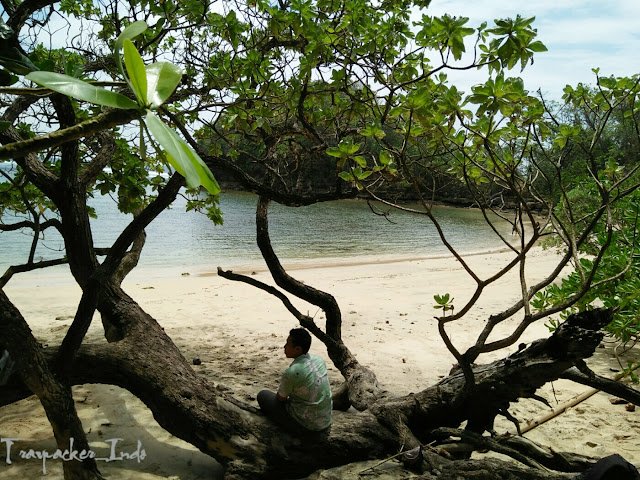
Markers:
285,388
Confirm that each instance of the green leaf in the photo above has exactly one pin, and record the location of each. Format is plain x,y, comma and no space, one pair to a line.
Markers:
181,156
132,31
162,80
442,299
135,69
360,160
81,90
346,176
373,131
335,152
537,46
348,148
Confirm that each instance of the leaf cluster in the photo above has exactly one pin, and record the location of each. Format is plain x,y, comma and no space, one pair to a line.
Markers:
598,146
152,85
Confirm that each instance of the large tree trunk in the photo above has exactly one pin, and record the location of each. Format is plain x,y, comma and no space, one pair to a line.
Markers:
55,395
147,363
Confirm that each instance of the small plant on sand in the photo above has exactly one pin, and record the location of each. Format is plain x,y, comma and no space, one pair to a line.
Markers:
443,302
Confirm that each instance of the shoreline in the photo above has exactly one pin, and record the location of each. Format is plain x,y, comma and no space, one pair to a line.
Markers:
60,273
357,260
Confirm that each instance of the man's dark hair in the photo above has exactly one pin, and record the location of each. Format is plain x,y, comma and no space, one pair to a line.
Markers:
300,338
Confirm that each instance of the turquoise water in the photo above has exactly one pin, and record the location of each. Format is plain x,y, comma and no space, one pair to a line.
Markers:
341,229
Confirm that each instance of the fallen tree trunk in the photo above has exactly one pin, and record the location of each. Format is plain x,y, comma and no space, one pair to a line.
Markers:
437,467
497,384
148,364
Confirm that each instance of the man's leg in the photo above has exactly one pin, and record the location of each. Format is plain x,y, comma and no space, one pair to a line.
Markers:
276,411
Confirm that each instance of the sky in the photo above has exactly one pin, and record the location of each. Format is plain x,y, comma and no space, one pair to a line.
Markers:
580,35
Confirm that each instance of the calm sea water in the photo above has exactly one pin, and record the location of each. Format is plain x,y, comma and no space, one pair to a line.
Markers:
341,229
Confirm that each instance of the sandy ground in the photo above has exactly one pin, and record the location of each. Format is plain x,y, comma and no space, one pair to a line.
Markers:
238,332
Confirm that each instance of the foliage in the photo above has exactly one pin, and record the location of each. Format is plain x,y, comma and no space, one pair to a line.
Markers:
152,86
14,192
616,280
315,96
343,80
443,302
604,132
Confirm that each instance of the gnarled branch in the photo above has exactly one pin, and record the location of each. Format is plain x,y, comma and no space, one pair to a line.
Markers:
19,148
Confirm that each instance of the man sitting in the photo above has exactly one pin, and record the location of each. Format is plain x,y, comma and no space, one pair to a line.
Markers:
303,401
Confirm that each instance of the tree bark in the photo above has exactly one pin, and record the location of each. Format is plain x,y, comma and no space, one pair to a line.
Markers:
100,122
38,377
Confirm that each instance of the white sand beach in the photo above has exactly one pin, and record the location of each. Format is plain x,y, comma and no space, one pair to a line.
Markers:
238,331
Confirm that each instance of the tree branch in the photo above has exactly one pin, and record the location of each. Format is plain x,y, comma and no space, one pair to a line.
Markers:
521,450
11,227
312,295
109,267
363,385
88,127
24,10
612,387
28,267
101,160
291,199
54,395
305,320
